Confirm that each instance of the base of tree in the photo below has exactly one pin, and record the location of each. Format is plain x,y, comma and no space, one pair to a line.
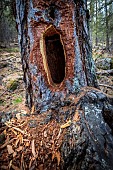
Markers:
75,135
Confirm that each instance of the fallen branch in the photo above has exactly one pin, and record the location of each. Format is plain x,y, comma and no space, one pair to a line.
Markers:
13,57
105,72
105,85
3,92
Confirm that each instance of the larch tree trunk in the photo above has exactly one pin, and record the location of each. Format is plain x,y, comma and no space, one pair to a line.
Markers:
96,39
60,82
107,26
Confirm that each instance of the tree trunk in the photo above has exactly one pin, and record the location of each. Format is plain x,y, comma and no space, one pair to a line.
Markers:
91,6
37,28
107,26
96,40
58,68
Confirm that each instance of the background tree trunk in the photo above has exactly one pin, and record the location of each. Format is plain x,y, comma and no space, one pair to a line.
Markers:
107,26
8,32
96,40
85,111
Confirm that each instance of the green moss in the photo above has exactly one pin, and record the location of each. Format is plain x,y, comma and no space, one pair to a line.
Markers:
12,85
10,50
17,100
98,77
1,101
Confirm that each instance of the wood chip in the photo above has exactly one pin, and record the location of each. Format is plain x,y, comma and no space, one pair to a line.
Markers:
13,131
59,133
33,148
15,167
30,163
20,137
56,155
32,109
5,132
22,162
27,144
14,154
10,149
67,124
10,164
16,142
76,117
4,167
18,116
19,130
19,149
45,133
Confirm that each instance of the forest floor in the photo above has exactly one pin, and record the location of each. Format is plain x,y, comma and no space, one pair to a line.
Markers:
12,92
104,69
19,133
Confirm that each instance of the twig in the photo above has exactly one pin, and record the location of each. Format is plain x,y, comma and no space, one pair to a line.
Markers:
9,58
105,85
3,92
105,72
19,130
15,128
15,167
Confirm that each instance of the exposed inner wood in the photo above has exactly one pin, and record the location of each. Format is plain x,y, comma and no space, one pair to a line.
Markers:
54,56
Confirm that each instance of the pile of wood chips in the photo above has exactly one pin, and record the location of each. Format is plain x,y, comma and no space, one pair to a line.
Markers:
28,146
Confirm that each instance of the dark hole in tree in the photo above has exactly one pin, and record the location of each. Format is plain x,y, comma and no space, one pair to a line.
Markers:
52,13
55,58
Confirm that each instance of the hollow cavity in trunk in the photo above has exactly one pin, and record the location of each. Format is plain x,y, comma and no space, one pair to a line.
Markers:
55,57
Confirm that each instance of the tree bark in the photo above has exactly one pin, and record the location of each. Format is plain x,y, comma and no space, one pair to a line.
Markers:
85,111
96,40
107,26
